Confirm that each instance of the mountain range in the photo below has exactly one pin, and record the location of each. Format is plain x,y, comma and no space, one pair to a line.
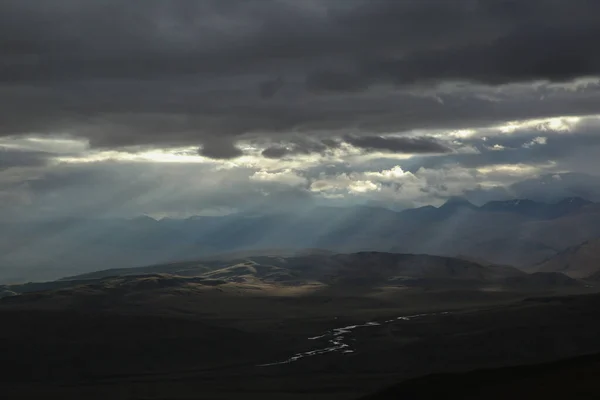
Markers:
516,232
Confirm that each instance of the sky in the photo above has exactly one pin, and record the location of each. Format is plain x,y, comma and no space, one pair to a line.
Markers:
180,107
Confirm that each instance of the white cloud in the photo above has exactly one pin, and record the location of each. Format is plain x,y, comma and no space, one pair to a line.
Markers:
178,181
556,124
362,187
540,140
286,176
513,172
394,174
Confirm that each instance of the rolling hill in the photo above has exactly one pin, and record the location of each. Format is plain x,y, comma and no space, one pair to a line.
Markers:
573,378
581,261
346,272
361,268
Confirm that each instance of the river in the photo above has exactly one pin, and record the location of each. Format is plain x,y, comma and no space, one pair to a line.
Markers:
337,339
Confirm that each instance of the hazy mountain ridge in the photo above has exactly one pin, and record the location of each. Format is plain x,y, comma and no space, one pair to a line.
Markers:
516,232
539,210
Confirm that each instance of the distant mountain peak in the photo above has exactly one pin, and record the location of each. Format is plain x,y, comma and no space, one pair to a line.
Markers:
520,202
538,209
511,203
143,218
575,200
458,202
515,202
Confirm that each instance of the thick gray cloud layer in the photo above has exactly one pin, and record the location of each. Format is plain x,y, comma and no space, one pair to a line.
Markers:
209,72
219,149
398,144
300,146
488,40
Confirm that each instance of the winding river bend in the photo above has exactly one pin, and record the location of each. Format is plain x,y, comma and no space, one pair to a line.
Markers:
337,339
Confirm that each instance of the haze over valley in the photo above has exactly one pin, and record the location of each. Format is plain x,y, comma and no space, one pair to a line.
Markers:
516,232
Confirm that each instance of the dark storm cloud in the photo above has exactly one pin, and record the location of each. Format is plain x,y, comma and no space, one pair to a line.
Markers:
518,57
190,72
300,146
335,81
269,88
397,144
489,40
275,152
219,149
493,42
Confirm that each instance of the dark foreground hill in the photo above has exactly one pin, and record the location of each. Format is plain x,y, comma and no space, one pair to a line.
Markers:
178,343
575,378
319,326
